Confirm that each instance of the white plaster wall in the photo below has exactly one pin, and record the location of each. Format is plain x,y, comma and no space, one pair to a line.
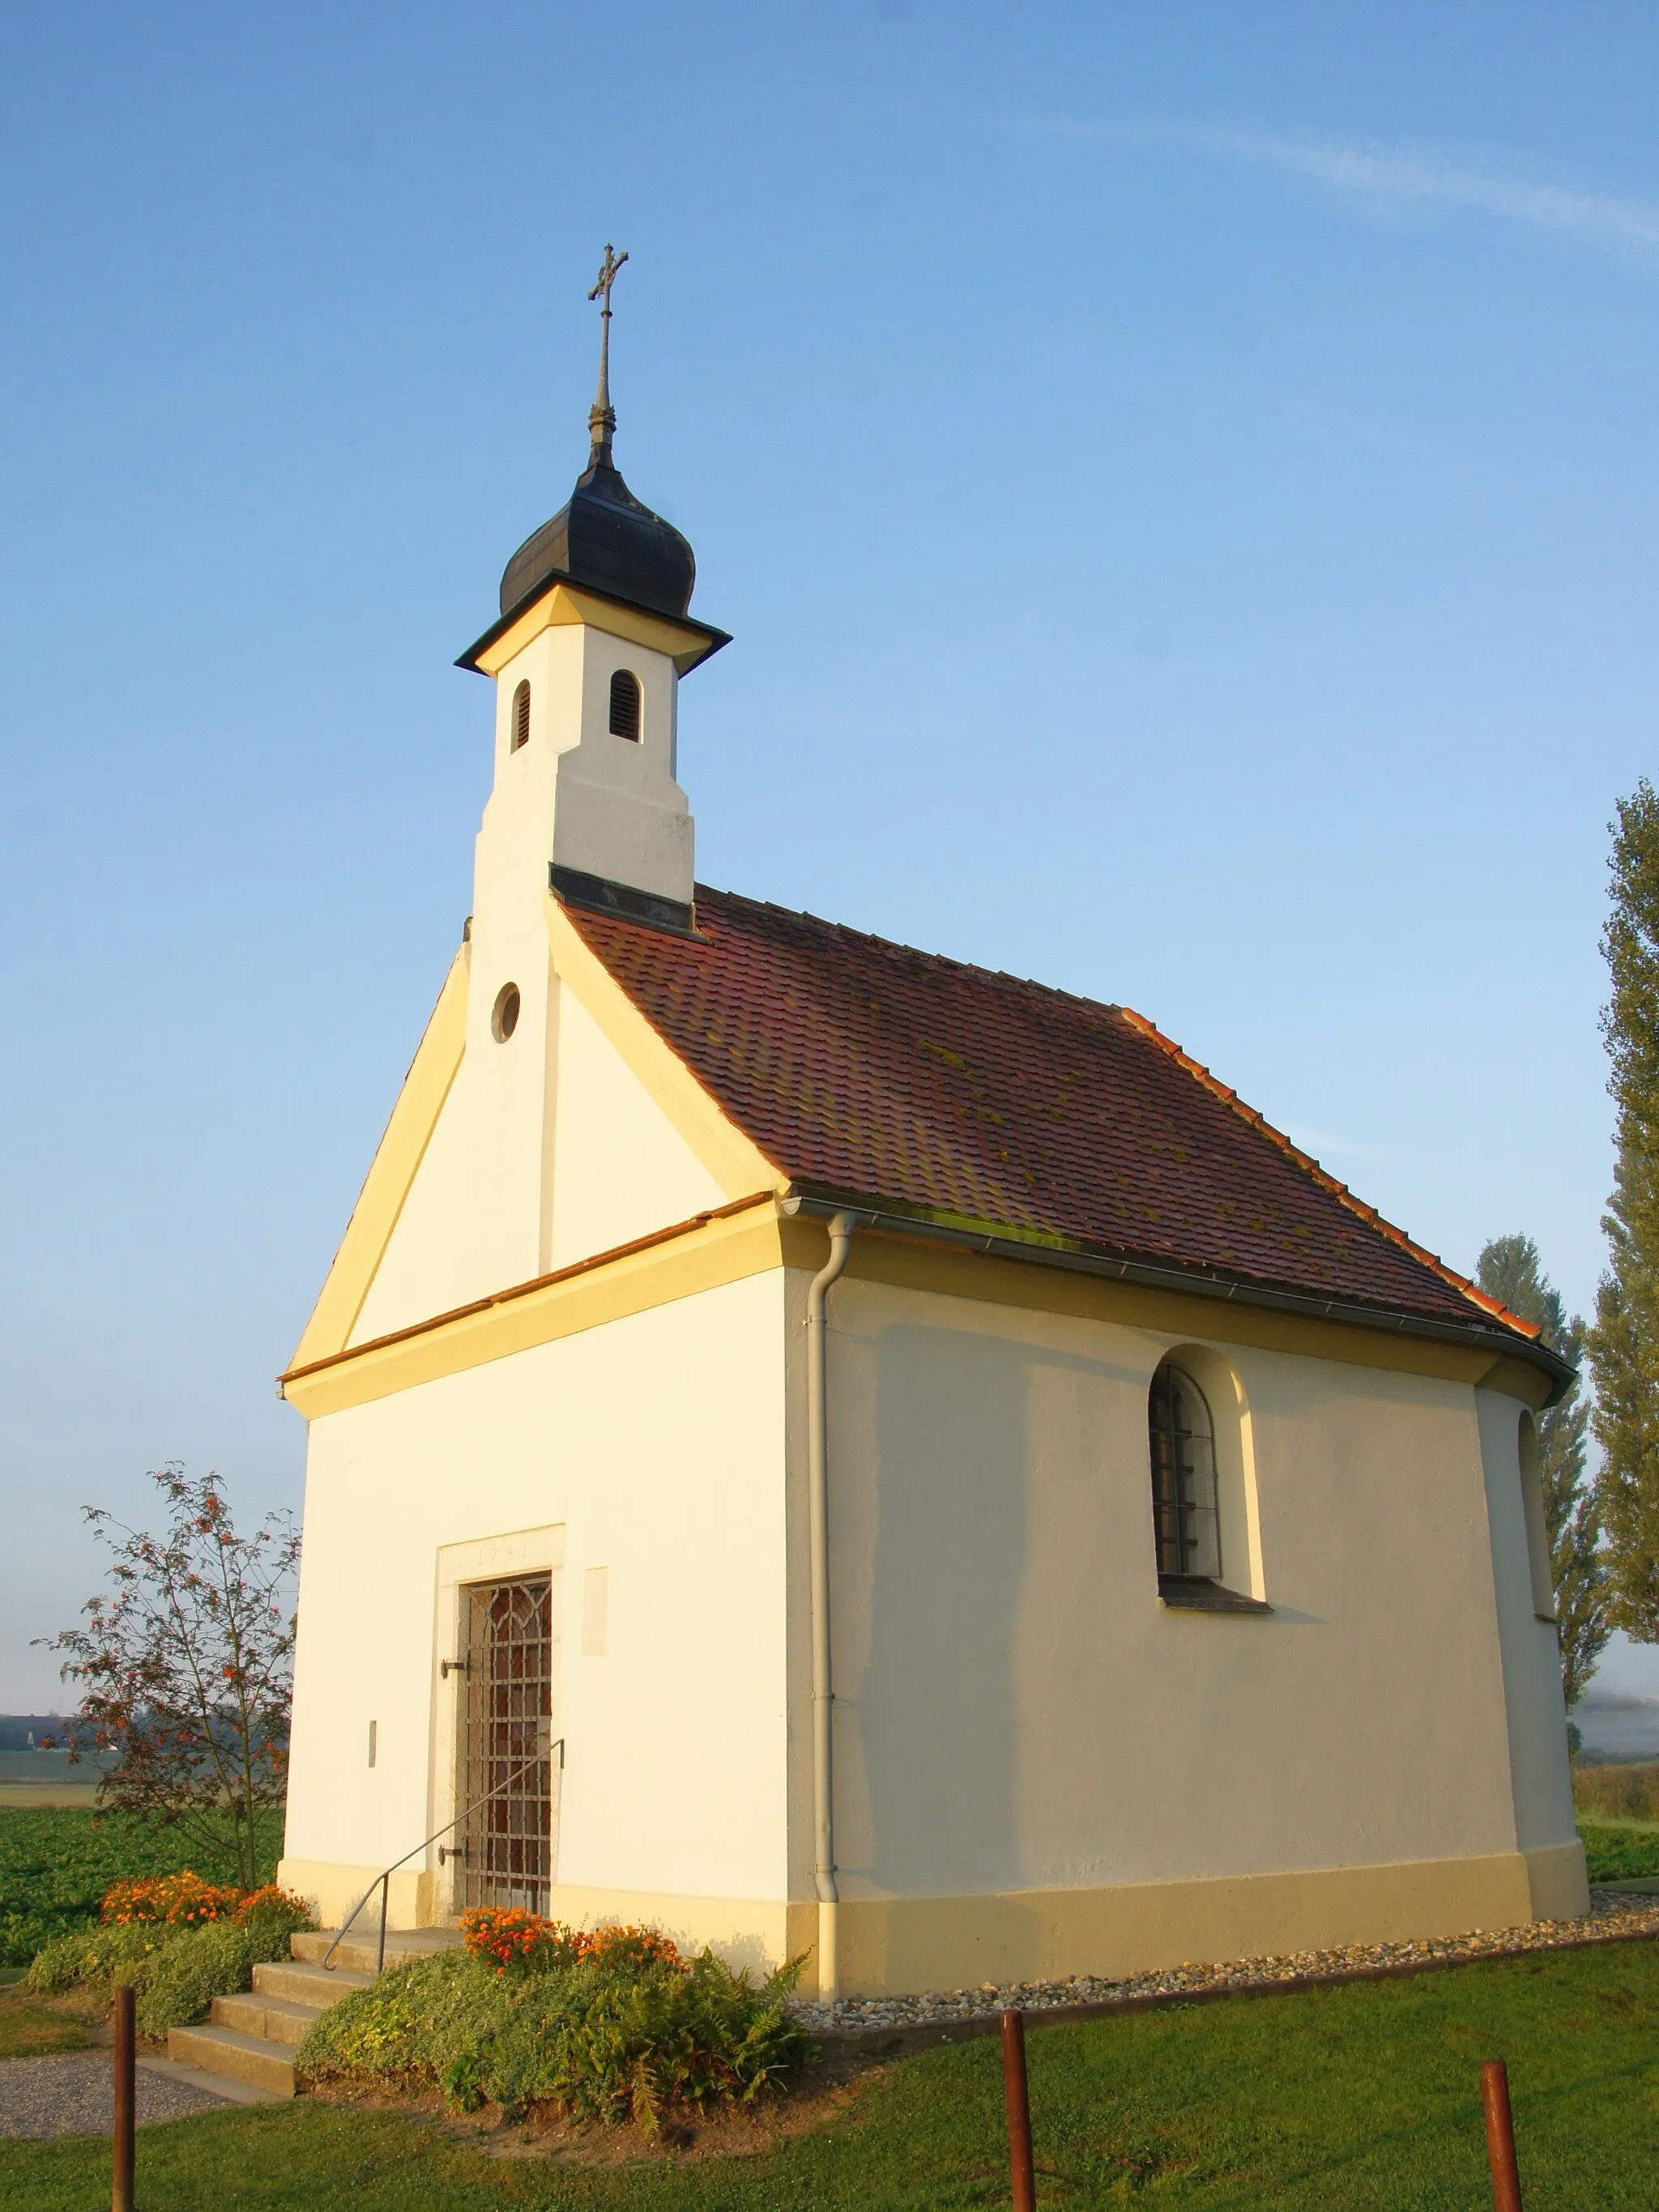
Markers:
1016,1709
1531,1650
620,1168
483,1213
656,1443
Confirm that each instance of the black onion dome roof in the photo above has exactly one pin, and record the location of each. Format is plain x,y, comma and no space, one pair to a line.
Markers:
606,538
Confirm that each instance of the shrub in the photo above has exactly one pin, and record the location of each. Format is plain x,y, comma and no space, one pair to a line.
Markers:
176,1968
622,2032
1616,1793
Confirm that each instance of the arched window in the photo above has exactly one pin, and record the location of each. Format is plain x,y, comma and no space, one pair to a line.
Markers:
520,717
625,705
1182,1438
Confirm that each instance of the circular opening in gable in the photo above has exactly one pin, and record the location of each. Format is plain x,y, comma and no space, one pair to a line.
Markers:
505,1018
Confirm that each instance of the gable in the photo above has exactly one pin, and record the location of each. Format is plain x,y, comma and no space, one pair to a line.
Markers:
499,1165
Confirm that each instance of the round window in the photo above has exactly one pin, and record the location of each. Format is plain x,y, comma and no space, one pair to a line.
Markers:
505,1018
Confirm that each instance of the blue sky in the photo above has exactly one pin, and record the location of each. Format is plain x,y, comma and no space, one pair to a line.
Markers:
1181,481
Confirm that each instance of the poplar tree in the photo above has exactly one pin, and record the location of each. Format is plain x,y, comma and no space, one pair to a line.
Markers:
1624,1340
1509,1270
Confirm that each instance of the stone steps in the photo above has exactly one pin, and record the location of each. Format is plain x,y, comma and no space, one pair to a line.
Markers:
251,2035
276,2020
306,1985
243,2058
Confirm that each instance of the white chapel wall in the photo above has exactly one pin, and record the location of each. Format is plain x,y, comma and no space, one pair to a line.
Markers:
620,1167
1015,1707
1531,1650
549,1149
655,1443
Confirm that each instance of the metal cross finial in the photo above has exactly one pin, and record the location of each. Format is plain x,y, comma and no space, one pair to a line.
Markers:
601,418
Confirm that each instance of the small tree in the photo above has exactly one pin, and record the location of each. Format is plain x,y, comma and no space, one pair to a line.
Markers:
1624,1341
186,1669
1508,1270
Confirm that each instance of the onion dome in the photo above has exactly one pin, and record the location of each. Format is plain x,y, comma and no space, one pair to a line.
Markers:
603,536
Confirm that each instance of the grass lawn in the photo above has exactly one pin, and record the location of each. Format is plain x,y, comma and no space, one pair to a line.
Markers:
1367,2096
28,2028
56,1862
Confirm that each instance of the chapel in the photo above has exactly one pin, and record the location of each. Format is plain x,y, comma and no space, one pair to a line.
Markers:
833,1451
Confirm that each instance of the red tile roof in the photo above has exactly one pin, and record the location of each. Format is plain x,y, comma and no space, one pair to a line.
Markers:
874,1071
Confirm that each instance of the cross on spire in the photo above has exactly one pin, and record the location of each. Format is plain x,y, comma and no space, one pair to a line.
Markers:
602,416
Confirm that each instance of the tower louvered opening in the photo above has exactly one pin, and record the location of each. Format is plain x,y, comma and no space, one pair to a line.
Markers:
625,705
520,717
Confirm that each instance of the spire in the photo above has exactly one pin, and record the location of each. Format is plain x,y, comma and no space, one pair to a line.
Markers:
602,416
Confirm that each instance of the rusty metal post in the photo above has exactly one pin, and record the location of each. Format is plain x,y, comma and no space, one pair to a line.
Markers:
1500,2136
1019,2111
120,2197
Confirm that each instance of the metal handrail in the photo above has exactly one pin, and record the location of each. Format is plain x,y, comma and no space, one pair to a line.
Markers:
382,1882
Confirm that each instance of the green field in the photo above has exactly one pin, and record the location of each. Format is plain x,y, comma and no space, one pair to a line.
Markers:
57,1862
1366,2096
1619,1852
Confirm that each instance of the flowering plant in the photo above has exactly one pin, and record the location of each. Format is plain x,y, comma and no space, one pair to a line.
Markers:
508,1937
185,1900
269,1899
182,1900
630,1946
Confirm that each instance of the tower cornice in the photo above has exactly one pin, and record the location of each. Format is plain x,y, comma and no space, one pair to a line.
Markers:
557,600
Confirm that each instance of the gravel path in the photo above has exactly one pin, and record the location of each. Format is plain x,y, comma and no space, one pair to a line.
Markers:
1612,1914
73,2093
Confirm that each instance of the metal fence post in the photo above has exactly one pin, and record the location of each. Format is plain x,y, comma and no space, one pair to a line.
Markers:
120,2196
1019,2111
1500,2136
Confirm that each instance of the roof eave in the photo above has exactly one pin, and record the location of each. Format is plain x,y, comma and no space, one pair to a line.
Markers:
1007,1243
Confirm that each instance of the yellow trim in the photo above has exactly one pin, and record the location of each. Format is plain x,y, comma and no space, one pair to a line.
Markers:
721,1251
1035,1287
736,1162
707,1253
894,1945
565,605
391,1172
888,1944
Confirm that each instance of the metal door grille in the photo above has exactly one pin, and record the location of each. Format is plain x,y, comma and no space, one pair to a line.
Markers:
506,1750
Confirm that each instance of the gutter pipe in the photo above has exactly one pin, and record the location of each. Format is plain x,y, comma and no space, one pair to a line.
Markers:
818,1487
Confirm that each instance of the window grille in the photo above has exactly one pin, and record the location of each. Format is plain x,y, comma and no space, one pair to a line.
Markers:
506,1852
520,717
625,705
1182,1438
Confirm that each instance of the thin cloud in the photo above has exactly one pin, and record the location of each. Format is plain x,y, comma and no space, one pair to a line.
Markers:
1612,221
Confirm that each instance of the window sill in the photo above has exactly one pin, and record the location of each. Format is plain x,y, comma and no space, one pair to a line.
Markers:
1198,1596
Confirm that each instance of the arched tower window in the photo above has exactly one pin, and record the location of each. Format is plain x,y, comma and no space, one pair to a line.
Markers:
1182,1438
520,717
625,705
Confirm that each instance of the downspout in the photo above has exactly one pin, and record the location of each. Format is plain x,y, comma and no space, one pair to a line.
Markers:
817,1488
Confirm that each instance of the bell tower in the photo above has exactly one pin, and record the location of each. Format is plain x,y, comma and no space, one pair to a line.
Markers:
593,639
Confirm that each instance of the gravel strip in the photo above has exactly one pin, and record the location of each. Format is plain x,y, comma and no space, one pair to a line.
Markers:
1612,1914
72,2092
